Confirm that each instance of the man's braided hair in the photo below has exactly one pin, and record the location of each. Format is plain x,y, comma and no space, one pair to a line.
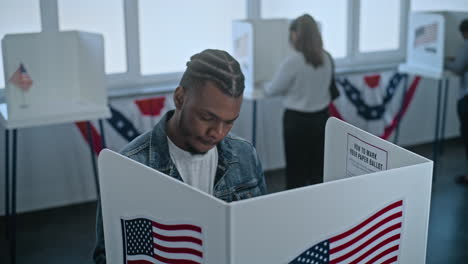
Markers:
216,66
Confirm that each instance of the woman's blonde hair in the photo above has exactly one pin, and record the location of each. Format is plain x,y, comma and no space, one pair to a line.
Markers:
308,39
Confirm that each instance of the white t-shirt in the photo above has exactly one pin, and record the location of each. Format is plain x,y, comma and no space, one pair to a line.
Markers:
197,170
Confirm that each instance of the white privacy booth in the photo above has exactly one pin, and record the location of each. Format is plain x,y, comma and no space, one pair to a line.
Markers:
65,71
432,38
374,206
260,46
50,78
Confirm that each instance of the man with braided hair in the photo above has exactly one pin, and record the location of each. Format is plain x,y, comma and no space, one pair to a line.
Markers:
192,143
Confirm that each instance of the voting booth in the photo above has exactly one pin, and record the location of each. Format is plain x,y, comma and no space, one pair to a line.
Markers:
260,46
432,37
374,206
50,78
53,77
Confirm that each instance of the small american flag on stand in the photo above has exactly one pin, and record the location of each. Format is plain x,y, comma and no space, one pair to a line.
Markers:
374,240
146,241
425,35
21,79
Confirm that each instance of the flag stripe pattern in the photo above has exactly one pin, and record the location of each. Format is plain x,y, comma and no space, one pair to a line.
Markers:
177,227
21,79
374,240
178,239
425,34
367,221
148,241
159,260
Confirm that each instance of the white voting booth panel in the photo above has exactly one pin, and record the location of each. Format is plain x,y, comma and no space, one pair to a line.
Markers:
67,74
431,38
260,46
376,216
130,190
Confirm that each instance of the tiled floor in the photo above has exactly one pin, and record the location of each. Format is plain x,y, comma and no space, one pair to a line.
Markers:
66,235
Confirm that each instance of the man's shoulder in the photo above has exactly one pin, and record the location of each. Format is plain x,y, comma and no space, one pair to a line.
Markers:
137,145
248,175
238,144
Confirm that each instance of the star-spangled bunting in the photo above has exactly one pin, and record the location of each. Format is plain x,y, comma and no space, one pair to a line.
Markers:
375,103
125,125
371,112
122,125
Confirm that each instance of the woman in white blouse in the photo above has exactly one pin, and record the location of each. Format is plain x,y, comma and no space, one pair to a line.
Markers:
304,79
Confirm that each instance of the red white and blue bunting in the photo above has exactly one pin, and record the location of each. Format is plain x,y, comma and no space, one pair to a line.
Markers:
376,102
129,119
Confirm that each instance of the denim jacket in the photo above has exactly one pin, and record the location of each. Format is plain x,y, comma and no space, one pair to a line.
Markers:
239,174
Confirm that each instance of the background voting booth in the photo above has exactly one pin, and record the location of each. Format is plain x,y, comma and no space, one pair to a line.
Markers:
66,70
374,206
251,39
260,46
432,37
51,78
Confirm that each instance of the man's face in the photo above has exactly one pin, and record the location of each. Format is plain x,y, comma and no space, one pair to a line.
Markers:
206,116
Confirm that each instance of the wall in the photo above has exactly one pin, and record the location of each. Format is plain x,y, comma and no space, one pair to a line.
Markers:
438,5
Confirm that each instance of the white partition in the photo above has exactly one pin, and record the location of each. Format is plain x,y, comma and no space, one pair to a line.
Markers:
377,216
362,153
260,46
66,78
431,38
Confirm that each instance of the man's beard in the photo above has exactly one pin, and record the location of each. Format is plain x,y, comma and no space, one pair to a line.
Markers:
186,133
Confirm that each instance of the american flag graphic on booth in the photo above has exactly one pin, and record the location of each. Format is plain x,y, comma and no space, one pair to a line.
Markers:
21,78
375,240
425,34
146,241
